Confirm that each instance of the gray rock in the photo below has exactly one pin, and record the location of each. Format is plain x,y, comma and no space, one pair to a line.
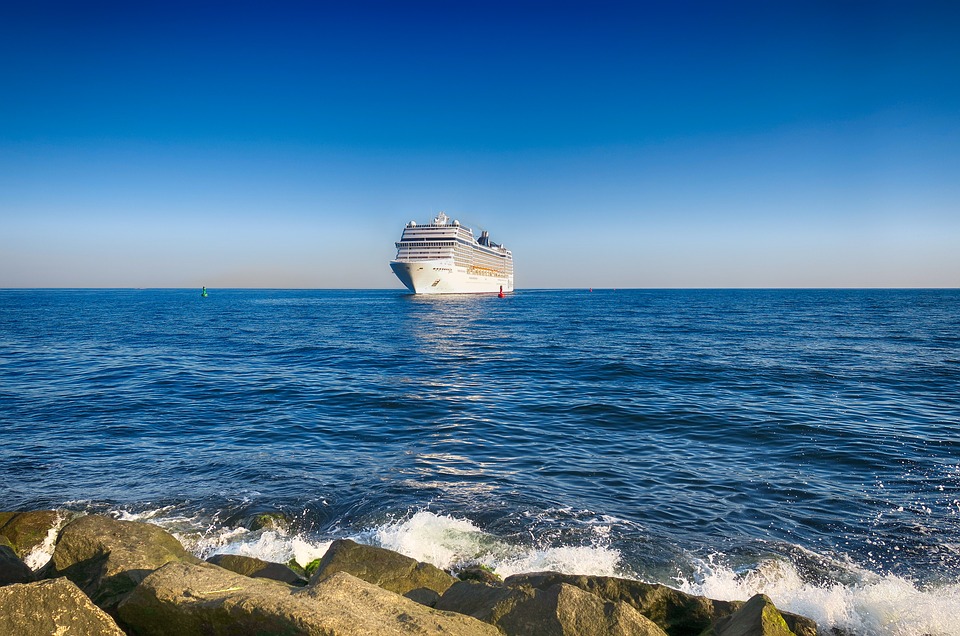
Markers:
52,607
481,600
677,613
107,558
560,610
194,600
27,530
249,566
479,574
12,569
424,596
757,617
276,521
388,569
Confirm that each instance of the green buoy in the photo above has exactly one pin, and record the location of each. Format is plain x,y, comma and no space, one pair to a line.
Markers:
203,292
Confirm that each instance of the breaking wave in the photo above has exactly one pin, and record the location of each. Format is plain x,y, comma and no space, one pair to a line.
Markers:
837,594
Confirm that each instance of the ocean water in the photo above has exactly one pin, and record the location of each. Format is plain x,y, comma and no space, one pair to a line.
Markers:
801,443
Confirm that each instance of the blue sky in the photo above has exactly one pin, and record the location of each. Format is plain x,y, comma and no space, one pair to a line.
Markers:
673,144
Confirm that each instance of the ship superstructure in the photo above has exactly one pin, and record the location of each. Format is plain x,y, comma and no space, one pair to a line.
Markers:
443,257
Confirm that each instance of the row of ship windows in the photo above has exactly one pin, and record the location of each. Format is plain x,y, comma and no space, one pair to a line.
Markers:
484,271
437,242
438,239
465,262
437,247
418,234
479,259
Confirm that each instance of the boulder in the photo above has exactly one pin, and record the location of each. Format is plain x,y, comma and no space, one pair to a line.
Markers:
757,617
390,570
311,568
298,569
249,566
481,600
27,530
678,613
479,574
194,600
12,569
424,596
107,558
52,607
275,521
560,610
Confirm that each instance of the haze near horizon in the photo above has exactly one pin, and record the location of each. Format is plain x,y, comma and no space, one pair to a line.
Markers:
606,144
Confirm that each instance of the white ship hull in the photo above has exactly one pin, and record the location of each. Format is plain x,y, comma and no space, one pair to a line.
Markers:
443,277
444,257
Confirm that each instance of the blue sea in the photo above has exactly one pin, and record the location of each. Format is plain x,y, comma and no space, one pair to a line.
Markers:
801,443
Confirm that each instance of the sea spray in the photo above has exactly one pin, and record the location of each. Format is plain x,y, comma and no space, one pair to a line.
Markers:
452,543
870,605
41,554
274,546
440,540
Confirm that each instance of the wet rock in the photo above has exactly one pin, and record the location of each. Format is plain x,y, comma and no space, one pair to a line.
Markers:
12,569
424,596
249,566
275,521
27,530
299,569
479,574
52,607
677,613
388,569
188,600
800,625
311,568
480,600
757,617
559,610
107,558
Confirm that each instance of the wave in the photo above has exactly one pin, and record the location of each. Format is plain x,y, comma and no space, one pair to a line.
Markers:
452,543
863,603
837,594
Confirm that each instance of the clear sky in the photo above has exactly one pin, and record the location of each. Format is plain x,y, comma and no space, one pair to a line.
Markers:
668,144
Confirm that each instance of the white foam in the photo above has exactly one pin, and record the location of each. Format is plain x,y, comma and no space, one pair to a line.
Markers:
865,604
874,606
276,547
146,515
437,539
588,560
450,543
41,554
212,541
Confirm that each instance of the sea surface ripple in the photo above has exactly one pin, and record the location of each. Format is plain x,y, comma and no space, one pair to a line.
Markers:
801,442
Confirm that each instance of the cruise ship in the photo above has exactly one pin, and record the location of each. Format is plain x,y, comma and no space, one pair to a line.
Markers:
443,257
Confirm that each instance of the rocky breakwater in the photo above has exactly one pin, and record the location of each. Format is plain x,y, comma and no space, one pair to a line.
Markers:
121,577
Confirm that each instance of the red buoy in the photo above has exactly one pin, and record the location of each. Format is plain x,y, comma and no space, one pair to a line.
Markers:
501,292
